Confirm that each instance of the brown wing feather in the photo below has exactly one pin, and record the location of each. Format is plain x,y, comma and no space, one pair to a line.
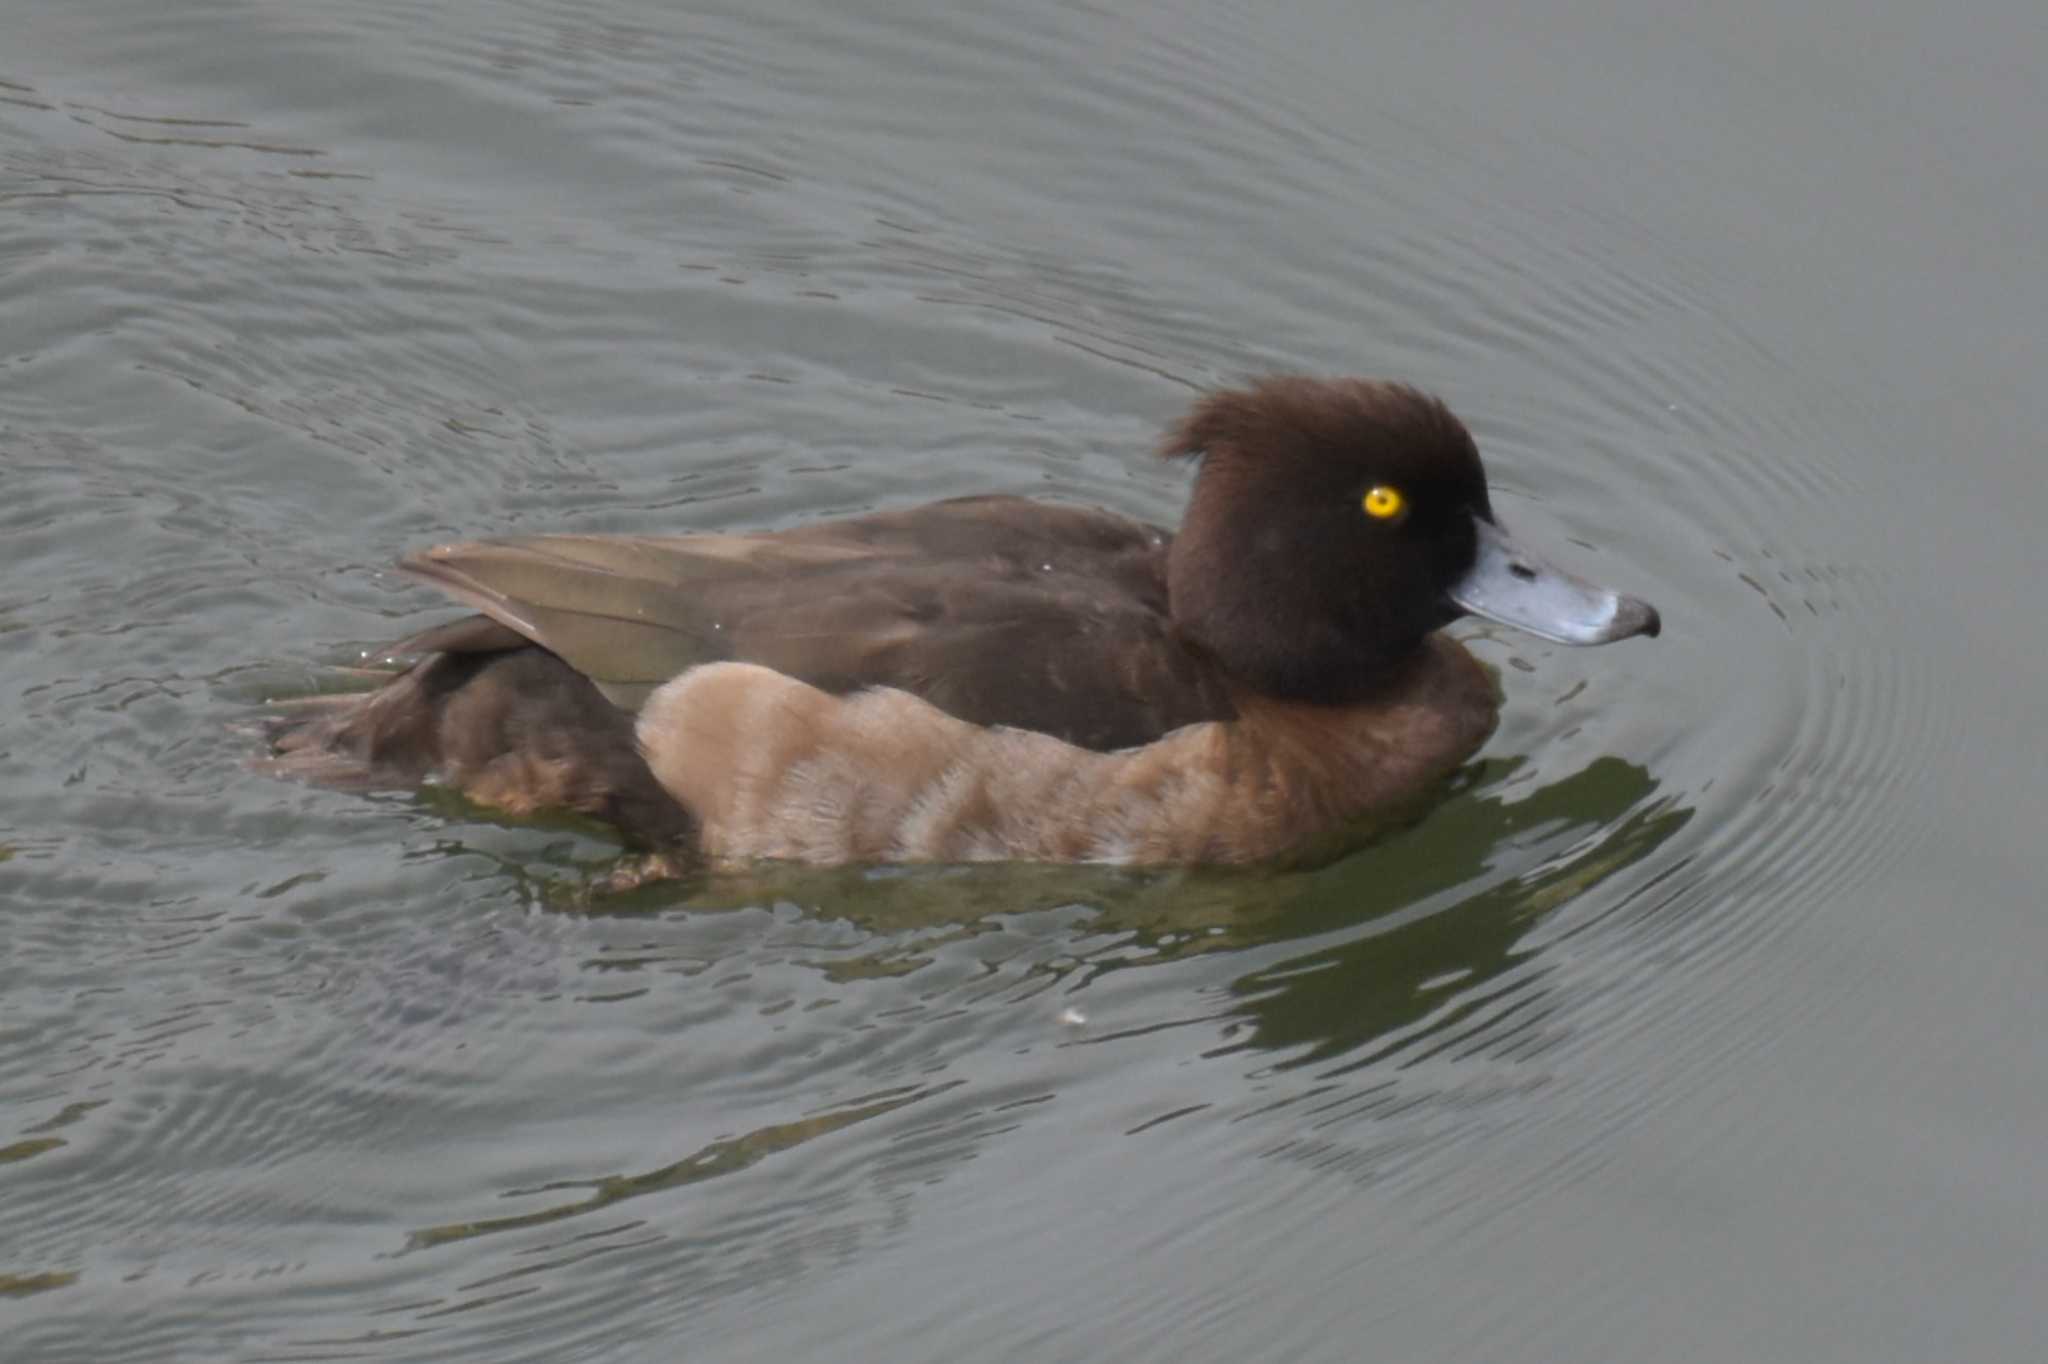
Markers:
998,610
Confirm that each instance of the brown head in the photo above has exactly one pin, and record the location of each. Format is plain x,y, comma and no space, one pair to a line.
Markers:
1335,523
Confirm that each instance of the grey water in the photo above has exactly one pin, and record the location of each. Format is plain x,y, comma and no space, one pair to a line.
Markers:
1705,1021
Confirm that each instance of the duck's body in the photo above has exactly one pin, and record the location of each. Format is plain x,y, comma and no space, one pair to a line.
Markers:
984,678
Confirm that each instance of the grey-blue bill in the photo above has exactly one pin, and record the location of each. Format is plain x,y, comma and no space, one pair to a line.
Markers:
1508,584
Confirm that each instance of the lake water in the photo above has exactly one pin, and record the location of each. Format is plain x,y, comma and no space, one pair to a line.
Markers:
1704,1022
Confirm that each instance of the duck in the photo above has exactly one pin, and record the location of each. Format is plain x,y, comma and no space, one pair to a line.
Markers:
992,678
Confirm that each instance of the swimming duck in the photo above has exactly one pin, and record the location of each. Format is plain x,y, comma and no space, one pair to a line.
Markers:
993,678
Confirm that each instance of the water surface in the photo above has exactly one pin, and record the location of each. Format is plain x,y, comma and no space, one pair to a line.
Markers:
1703,1021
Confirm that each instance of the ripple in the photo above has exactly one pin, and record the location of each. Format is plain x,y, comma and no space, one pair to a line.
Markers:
298,1075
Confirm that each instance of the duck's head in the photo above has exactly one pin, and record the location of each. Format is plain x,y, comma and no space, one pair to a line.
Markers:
1336,522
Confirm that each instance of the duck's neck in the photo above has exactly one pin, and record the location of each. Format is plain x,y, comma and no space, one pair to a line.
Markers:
1293,779
1312,665
1422,716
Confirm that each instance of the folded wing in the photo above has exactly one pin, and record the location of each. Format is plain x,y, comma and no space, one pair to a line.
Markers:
999,610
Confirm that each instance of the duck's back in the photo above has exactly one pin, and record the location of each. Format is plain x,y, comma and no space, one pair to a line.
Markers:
997,610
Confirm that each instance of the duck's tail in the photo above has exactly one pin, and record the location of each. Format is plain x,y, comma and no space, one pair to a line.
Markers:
516,729
385,739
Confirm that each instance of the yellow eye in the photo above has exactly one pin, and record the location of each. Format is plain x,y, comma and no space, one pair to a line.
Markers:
1386,504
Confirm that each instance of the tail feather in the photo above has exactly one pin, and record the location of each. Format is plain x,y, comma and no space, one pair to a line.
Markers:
354,741
518,729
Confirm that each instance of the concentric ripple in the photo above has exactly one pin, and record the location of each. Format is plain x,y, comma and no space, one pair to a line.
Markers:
293,1074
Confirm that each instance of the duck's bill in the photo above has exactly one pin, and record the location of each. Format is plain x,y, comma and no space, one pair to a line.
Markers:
1510,585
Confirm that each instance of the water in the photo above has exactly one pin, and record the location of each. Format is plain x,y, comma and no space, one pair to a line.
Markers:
1703,1022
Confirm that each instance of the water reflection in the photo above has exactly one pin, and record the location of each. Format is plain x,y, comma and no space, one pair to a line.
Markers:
1416,928
1603,819
1416,914
723,1157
